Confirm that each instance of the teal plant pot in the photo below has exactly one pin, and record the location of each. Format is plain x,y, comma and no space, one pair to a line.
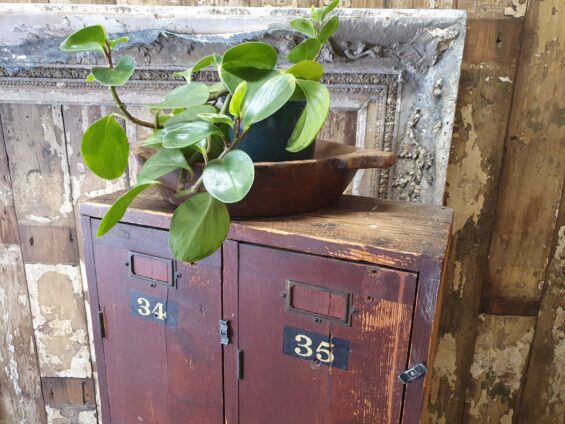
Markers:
266,140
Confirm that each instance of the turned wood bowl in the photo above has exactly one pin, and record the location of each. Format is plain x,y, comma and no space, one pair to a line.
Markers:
284,188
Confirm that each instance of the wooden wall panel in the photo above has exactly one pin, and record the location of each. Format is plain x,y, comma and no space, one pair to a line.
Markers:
501,352
543,399
20,389
41,181
472,185
533,173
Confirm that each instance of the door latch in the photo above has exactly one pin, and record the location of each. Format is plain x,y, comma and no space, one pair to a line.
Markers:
224,332
414,373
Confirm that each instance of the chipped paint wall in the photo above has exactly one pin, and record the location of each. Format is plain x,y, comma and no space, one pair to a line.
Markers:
501,347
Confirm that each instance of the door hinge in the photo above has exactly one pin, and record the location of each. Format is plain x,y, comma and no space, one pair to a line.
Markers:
414,373
239,369
224,332
101,323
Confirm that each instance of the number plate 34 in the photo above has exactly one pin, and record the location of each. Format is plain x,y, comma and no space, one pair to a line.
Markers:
152,308
316,347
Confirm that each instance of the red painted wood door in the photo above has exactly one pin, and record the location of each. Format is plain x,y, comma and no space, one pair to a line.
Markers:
323,340
161,348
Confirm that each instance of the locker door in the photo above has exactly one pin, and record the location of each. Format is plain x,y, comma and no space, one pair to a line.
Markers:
323,340
161,347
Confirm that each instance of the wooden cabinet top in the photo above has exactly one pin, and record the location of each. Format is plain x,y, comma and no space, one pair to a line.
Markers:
382,232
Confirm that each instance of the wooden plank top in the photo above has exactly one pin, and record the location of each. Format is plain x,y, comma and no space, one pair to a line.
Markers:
383,232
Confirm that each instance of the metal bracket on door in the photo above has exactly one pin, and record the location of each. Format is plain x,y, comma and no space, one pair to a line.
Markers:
224,332
414,373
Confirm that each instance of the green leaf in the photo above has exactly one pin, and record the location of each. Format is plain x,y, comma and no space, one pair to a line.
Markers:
190,114
118,209
89,39
217,89
105,148
155,139
114,43
329,29
315,13
304,25
237,98
307,69
116,76
252,61
269,98
198,228
198,66
90,78
307,50
250,55
325,11
184,96
312,118
216,118
183,135
229,179
162,163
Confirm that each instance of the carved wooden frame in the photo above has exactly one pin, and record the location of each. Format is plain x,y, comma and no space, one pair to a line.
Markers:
406,63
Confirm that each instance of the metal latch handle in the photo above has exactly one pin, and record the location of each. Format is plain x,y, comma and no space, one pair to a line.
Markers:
414,373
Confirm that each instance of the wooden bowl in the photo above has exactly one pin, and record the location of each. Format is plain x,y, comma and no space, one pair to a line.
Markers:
284,188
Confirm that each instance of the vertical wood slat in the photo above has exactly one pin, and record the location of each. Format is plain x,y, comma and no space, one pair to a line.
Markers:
542,399
533,172
491,51
44,207
20,388
497,373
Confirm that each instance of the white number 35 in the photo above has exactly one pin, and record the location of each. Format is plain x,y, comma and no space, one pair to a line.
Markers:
323,351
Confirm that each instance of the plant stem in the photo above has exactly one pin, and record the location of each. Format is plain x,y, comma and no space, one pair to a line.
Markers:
198,183
118,101
182,180
226,104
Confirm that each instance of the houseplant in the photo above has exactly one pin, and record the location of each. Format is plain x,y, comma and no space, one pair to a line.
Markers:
204,124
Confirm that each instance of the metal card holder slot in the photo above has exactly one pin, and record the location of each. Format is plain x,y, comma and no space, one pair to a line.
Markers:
153,269
319,303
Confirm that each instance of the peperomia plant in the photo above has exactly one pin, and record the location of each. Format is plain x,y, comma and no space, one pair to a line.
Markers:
197,127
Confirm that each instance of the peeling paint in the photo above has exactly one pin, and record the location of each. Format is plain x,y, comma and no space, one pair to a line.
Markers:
444,363
70,415
501,352
516,8
57,306
470,178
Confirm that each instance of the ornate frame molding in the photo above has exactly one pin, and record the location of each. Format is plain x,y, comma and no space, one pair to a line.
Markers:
398,70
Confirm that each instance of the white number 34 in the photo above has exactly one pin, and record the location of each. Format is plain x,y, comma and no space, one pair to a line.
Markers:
323,351
146,309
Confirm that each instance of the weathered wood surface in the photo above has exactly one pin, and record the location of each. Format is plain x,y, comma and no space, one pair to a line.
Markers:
20,391
356,228
542,398
59,391
534,167
491,56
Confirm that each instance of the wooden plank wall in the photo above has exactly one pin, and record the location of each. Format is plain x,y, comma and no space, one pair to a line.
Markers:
501,352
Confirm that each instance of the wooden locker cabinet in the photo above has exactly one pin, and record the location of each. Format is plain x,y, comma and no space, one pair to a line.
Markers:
300,319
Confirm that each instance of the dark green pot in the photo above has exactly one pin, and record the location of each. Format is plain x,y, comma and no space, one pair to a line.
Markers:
266,140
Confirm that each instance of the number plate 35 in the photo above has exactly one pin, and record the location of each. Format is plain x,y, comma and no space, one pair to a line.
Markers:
316,347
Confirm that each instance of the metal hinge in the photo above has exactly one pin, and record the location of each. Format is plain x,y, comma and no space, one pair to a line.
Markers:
224,332
411,374
101,324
